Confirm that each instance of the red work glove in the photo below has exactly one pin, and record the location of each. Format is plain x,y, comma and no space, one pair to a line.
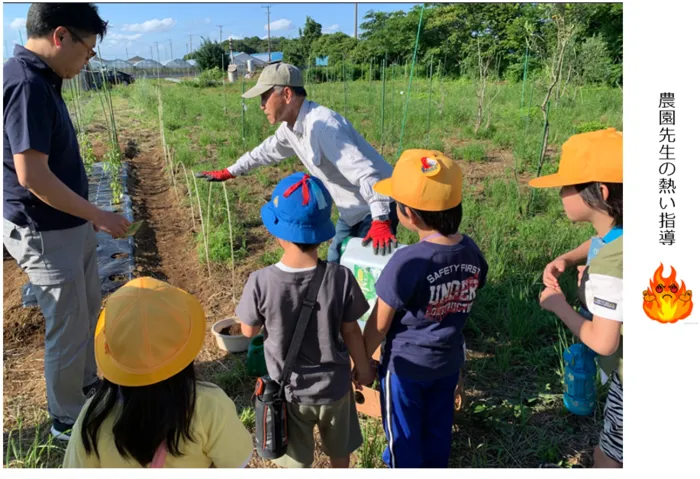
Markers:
381,237
220,175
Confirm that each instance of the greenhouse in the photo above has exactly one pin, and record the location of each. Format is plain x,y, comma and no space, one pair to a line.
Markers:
120,65
178,67
148,68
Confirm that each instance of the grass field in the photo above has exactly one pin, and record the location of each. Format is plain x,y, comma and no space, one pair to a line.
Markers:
513,415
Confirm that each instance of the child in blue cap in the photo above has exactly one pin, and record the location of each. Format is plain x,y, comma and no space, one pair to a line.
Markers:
320,388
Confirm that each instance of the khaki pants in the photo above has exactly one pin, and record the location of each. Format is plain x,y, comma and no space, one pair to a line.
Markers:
338,425
62,270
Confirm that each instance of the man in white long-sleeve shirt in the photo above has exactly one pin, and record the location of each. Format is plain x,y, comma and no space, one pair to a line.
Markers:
331,149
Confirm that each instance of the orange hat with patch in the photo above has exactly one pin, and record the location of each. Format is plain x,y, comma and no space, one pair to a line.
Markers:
148,332
426,180
585,158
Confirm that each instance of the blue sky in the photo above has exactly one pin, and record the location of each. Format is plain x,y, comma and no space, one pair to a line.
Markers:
135,28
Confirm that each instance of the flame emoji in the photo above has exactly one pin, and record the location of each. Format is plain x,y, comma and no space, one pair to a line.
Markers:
664,300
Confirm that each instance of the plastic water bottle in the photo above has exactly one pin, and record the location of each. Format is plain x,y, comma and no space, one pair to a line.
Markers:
366,267
255,360
579,379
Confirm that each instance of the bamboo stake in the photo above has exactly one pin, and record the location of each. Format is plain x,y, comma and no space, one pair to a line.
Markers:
201,219
209,209
230,236
189,192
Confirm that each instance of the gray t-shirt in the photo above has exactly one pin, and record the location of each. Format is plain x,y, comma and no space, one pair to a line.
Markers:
273,298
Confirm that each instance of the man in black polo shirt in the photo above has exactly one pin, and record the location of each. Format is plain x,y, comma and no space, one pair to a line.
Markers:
49,225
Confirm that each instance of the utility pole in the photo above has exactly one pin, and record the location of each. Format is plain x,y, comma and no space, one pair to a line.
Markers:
158,52
127,53
151,47
355,20
220,39
171,49
21,42
191,43
269,48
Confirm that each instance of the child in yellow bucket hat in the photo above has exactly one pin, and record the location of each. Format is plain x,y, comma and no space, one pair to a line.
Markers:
150,410
424,295
590,178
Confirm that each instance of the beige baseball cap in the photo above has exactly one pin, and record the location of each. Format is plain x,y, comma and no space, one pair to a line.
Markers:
278,74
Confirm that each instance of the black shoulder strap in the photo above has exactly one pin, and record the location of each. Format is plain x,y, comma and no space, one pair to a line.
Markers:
302,323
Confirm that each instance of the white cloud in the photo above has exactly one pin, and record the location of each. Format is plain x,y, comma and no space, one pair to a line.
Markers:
333,28
119,36
279,25
150,26
18,23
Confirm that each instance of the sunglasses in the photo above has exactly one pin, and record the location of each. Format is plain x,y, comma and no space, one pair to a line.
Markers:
76,38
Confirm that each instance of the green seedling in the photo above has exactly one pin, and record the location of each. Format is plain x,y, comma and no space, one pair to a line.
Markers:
133,228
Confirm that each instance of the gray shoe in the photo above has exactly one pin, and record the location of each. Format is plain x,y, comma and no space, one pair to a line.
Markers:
61,431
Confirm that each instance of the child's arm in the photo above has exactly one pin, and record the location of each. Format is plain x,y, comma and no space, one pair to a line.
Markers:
248,309
577,255
601,335
355,306
250,331
558,265
352,337
378,326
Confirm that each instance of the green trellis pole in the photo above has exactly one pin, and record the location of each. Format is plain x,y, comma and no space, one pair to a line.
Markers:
345,91
381,147
243,113
539,166
522,94
430,95
410,80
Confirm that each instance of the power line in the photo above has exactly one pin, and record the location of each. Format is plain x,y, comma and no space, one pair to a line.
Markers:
220,26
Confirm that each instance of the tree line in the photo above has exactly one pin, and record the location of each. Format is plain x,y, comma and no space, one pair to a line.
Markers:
581,41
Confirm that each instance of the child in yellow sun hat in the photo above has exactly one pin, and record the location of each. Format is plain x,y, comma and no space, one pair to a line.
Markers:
424,295
150,410
590,178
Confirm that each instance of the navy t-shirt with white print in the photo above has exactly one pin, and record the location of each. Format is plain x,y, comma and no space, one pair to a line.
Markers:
432,287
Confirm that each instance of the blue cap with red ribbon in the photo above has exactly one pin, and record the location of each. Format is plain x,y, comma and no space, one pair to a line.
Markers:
299,210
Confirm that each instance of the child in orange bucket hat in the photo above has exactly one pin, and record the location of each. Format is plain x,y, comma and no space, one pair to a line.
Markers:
150,410
590,178
424,296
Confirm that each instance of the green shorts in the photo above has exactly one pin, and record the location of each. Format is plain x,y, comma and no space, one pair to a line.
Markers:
338,425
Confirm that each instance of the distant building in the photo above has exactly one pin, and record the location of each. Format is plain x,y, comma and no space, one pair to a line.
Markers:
148,68
241,60
275,57
120,65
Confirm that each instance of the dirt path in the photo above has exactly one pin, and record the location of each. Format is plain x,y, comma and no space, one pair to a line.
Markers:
164,249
